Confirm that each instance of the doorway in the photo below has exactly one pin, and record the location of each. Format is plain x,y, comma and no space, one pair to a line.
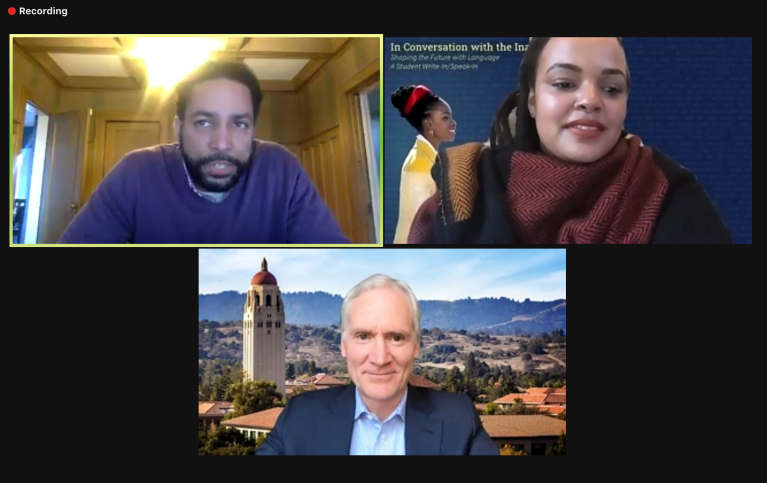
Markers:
355,122
29,170
370,114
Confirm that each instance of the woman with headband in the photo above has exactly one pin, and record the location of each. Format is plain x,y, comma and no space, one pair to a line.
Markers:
560,168
433,121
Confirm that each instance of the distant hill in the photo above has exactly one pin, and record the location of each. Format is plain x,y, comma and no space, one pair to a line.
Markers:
301,308
440,349
490,315
543,321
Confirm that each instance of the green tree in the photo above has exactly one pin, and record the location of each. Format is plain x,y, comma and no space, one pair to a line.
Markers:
290,371
253,396
519,407
530,380
491,408
301,389
260,439
471,369
509,450
222,385
557,449
454,380
217,377
209,375
312,368
536,346
558,336
470,387
522,343
505,385
302,366
226,441
426,374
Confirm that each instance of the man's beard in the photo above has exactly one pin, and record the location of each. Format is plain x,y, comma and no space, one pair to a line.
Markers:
208,182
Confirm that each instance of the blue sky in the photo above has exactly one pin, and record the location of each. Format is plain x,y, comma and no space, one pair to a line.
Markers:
433,274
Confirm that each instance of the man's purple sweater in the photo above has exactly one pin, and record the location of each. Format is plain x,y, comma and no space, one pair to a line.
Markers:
147,198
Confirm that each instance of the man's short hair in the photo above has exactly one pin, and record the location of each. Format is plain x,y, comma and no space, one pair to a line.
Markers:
378,281
219,69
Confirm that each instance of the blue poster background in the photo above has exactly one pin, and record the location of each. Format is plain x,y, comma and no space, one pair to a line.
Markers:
691,98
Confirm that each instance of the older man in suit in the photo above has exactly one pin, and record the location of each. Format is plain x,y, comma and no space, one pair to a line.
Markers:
379,414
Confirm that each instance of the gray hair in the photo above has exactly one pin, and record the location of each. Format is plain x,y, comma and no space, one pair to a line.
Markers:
378,281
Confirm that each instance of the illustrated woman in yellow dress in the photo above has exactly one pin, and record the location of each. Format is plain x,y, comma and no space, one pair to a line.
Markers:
433,120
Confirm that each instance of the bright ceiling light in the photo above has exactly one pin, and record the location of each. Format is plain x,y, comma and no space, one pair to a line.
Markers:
169,59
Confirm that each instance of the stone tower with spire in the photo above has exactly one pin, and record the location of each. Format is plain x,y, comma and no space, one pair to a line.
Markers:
263,331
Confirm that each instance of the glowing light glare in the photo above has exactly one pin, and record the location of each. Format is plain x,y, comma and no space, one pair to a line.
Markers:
169,59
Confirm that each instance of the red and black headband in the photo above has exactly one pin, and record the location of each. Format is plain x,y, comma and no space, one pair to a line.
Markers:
415,96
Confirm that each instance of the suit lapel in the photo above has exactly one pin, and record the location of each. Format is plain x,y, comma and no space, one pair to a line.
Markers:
423,434
334,428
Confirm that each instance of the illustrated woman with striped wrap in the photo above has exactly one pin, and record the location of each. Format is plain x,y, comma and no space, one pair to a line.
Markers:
559,168
433,121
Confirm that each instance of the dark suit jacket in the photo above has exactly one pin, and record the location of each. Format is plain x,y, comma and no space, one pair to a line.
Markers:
321,423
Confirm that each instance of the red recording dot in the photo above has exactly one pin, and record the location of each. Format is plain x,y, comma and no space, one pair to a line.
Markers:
12,11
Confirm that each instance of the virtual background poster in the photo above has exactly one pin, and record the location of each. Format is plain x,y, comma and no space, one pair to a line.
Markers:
691,98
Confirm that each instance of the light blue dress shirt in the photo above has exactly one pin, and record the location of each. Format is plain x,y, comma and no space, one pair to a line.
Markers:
373,437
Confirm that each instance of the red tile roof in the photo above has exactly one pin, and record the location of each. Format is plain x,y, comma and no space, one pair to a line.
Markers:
539,390
526,398
517,426
545,390
555,399
420,381
325,380
214,408
261,420
553,410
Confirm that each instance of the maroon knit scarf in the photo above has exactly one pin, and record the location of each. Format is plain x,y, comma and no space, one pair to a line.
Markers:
615,200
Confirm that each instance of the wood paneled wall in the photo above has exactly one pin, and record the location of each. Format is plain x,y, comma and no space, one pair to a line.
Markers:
325,156
30,76
322,159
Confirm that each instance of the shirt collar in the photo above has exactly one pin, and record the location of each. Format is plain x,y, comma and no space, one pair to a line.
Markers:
214,197
362,409
426,141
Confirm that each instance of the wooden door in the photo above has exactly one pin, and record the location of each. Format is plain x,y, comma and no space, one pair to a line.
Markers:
114,139
17,130
354,151
124,137
62,175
